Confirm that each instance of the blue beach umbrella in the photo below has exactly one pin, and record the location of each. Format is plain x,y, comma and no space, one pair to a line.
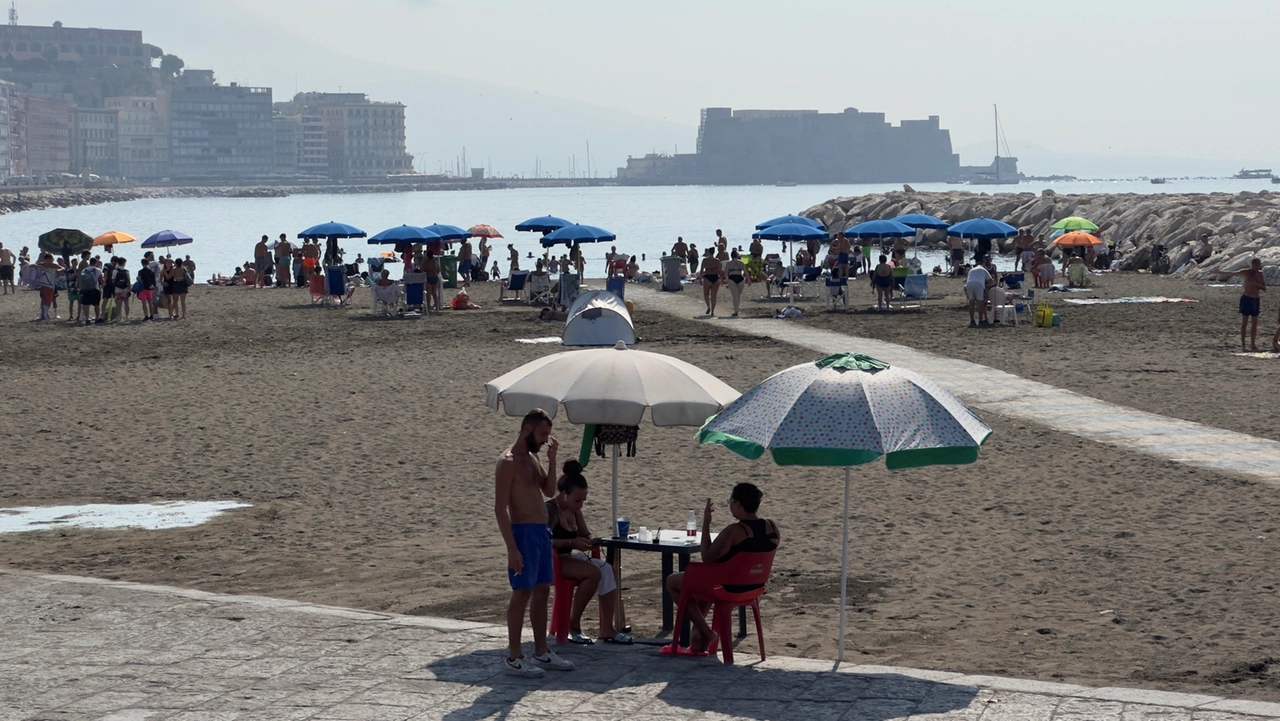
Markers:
166,239
791,232
797,219
921,221
543,224
404,234
985,228
447,232
332,230
574,234
880,229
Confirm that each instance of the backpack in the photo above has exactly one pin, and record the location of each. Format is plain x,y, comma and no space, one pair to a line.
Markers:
88,281
122,279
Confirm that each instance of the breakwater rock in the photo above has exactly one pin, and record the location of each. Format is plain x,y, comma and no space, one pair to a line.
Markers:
1241,226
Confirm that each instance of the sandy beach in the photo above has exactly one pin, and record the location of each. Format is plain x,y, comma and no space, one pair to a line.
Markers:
367,452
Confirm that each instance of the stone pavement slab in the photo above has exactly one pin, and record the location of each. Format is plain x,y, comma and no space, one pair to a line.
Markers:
1192,444
80,648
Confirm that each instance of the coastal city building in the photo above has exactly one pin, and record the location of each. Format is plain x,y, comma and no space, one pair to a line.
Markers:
287,134
7,93
95,145
365,139
143,136
93,46
313,147
738,147
219,131
48,136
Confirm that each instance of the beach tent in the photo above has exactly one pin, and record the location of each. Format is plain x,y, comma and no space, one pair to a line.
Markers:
598,318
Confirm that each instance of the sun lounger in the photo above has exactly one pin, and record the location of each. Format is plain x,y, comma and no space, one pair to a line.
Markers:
539,289
386,300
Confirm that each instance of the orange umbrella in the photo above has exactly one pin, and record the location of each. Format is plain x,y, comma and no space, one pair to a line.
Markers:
391,257
1078,239
114,237
484,231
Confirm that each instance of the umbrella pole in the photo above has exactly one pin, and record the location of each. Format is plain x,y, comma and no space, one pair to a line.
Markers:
615,492
844,563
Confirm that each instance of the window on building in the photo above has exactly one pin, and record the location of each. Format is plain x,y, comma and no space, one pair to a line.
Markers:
111,50
22,47
93,49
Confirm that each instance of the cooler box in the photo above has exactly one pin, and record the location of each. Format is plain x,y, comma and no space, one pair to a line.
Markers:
671,273
449,269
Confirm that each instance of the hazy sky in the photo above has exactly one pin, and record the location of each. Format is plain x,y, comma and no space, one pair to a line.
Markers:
1174,78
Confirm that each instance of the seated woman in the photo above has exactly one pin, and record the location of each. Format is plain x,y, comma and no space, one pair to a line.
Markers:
633,268
572,540
751,534
1077,273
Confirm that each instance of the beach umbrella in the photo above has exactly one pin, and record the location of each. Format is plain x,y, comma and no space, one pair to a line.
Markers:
1075,223
543,224
1077,239
484,231
114,237
167,239
791,232
848,410
65,241
922,222
404,234
797,219
575,234
332,230
611,386
448,232
880,229
985,228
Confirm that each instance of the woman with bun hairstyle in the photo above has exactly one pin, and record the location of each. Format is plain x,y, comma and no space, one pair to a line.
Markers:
573,541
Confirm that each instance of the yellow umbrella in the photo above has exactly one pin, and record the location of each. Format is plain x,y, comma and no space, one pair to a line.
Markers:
114,237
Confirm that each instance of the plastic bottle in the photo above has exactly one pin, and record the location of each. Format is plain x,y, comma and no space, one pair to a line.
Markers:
691,527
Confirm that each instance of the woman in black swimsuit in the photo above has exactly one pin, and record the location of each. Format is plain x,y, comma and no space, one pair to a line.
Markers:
711,280
751,534
736,273
572,541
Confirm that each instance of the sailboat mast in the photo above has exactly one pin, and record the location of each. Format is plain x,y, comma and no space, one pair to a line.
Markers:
996,111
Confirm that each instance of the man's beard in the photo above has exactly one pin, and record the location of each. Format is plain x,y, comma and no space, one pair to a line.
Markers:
533,444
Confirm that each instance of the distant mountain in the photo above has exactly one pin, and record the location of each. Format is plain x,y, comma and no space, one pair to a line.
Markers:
506,128
1036,160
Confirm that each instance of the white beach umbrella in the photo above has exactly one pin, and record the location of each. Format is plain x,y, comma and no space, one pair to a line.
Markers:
612,386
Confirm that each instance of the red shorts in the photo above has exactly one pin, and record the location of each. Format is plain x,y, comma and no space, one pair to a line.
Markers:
146,296
46,296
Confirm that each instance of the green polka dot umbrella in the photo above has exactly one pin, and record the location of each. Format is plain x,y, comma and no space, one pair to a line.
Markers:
848,410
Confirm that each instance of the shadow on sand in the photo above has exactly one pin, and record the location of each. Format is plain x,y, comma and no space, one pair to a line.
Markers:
628,683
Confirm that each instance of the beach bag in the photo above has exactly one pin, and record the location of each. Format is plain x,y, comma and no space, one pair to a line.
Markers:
616,436
121,280
1044,316
87,281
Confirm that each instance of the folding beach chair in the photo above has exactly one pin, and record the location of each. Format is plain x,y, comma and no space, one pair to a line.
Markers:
809,278
837,293
514,283
570,284
386,301
415,291
915,287
335,285
539,289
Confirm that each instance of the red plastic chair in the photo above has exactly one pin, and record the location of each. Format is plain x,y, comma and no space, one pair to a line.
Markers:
562,606
706,582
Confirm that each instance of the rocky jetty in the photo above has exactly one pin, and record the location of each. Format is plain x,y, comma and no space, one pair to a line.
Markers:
1241,226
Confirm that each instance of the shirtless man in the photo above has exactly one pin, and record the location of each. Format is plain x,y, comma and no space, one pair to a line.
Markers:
518,503
310,255
1250,300
757,250
1025,254
680,249
515,259
261,257
284,262
7,261
957,253
899,251
868,249
841,247
465,262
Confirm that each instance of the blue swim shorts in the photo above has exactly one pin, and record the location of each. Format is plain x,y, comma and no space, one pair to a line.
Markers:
1250,306
533,540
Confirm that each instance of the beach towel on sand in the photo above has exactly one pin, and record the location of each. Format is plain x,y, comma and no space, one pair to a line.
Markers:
1134,300
1259,354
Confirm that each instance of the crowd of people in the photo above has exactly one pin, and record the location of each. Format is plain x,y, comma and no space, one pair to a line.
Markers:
101,290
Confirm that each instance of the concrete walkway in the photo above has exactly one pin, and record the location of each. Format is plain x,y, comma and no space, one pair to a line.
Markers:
1009,395
79,648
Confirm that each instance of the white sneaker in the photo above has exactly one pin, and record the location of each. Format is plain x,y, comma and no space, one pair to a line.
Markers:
552,661
522,667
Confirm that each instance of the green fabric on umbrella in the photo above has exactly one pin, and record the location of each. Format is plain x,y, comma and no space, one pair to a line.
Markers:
1075,223
64,241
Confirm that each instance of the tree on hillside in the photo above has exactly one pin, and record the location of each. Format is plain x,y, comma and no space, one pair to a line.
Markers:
171,65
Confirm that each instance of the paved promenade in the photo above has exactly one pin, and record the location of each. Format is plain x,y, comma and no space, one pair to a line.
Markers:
79,648
994,390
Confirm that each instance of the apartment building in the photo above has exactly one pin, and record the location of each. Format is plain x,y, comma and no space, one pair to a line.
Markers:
143,136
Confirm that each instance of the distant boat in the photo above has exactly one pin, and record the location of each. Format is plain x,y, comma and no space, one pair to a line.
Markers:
994,178
1255,174
1275,180
1159,181
785,184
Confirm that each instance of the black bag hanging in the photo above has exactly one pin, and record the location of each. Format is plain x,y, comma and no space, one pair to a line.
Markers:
617,436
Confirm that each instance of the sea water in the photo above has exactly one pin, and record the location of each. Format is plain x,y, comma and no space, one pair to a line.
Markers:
647,220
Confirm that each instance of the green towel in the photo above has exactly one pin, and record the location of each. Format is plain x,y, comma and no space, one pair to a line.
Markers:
588,438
